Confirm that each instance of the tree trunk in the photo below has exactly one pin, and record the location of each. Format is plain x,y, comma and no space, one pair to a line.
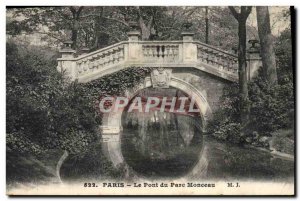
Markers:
145,28
266,44
206,25
75,25
59,164
243,88
74,34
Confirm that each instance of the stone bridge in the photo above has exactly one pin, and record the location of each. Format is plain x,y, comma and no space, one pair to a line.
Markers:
198,69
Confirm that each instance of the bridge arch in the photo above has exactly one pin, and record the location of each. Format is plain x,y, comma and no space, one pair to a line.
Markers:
111,127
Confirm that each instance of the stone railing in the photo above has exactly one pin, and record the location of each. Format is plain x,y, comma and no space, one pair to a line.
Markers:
217,58
101,59
170,54
160,51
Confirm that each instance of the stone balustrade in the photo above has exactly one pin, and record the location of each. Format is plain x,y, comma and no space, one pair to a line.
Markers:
100,59
160,51
217,58
131,53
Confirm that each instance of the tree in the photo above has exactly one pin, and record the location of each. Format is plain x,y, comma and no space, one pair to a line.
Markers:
206,25
243,88
266,44
54,22
43,111
75,24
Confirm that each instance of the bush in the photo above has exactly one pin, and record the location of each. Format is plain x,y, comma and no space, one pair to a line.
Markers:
229,131
44,111
271,107
283,141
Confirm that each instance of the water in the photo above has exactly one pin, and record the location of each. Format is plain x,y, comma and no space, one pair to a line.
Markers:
167,145
228,161
225,161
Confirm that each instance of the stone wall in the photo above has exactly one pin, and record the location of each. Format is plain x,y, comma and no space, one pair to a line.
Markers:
209,85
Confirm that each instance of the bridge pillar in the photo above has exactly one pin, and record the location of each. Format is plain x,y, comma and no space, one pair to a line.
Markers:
66,63
189,48
134,49
254,61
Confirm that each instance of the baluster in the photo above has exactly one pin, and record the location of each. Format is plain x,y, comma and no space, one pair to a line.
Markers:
220,61
163,51
79,67
200,54
236,65
86,63
116,57
100,60
216,59
111,57
144,49
158,51
121,54
204,55
108,58
167,52
176,51
170,53
91,64
225,62
153,48
210,57
229,67
96,65
105,59
148,51
230,64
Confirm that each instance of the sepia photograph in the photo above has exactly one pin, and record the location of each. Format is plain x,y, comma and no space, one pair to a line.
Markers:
150,100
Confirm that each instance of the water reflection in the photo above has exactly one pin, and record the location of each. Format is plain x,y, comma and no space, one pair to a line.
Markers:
161,144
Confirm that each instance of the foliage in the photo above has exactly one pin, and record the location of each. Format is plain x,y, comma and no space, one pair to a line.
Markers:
229,131
90,165
226,122
284,59
117,83
113,85
43,111
283,141
271,106
99,26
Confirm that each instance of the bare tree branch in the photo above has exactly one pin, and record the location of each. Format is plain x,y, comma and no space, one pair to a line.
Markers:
235,14
79,11
117,20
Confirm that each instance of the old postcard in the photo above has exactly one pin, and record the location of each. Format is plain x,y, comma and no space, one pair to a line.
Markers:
150,100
